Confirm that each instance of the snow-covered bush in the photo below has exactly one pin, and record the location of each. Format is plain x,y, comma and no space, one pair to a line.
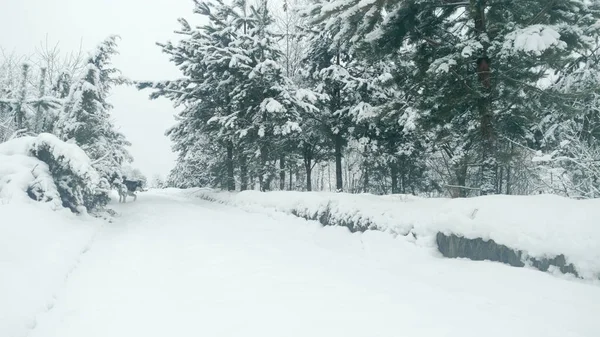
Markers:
544,231
134,174
49,170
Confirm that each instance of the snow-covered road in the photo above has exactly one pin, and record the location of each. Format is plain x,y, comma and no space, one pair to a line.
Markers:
175,266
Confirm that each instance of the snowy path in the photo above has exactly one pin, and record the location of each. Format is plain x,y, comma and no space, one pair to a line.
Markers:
171,266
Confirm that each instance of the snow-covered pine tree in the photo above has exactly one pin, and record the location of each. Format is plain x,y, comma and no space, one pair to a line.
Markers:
479,63
571,133
85,119
391,140
333,73
211,66
266,102
234,91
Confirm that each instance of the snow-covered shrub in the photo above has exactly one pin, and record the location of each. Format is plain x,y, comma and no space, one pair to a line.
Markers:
134,174
52,171
539,230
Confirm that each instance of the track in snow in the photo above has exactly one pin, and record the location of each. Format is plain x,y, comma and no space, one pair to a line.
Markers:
172,266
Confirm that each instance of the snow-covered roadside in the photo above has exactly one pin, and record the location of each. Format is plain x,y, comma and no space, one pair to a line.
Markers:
40,240
38,250
173,265
540,226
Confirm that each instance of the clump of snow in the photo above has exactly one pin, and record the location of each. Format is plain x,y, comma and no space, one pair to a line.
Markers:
443,65
542,226
273,106
542,158
534,39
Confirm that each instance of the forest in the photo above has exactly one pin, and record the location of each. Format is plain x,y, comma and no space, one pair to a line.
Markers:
436,98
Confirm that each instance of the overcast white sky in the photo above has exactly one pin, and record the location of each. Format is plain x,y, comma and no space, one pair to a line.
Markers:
140,23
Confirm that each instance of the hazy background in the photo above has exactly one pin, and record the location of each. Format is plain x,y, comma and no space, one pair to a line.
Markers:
24,24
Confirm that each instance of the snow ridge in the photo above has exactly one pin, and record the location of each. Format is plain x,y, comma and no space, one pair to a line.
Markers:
542,227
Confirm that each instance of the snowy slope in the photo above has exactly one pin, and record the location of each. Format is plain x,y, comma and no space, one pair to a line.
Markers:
174,265
40,241
543,226
38,249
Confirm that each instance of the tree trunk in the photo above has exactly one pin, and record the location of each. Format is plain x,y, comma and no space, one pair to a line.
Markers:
508,187
500,178
243,172
20,108
403,181
366,181
488,136
282,172
307,153
339,183
488,146
265,177
39,114
508,173
230,179
394,174
461,179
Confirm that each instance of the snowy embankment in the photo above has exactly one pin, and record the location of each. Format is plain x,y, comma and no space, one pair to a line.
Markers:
40,241
38,250
543,231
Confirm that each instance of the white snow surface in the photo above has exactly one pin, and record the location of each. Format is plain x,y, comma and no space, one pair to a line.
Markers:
540,225
38,249
174,265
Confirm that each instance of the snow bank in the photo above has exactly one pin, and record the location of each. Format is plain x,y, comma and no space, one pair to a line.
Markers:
38,249
538,228
46,169
40,240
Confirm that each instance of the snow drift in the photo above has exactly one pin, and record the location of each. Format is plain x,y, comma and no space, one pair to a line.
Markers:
39,247
546,232
43,180
46,169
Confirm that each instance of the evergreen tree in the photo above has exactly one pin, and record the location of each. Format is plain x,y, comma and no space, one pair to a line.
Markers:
212,66
479,63
86,117
235,91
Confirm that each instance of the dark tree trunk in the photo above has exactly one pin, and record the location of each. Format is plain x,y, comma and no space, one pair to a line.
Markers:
488,136
265,181
230,179
508,187
243,172
366,180
339,183
308,156
394,174
488,147
500,178
403,181
461,179
20,109
291,187
282,172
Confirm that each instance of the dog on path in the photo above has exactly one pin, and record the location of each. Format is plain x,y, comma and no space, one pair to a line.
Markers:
129,188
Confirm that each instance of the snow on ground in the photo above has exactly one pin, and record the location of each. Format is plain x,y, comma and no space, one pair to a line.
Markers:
175,265
40,242
38,249
540,225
